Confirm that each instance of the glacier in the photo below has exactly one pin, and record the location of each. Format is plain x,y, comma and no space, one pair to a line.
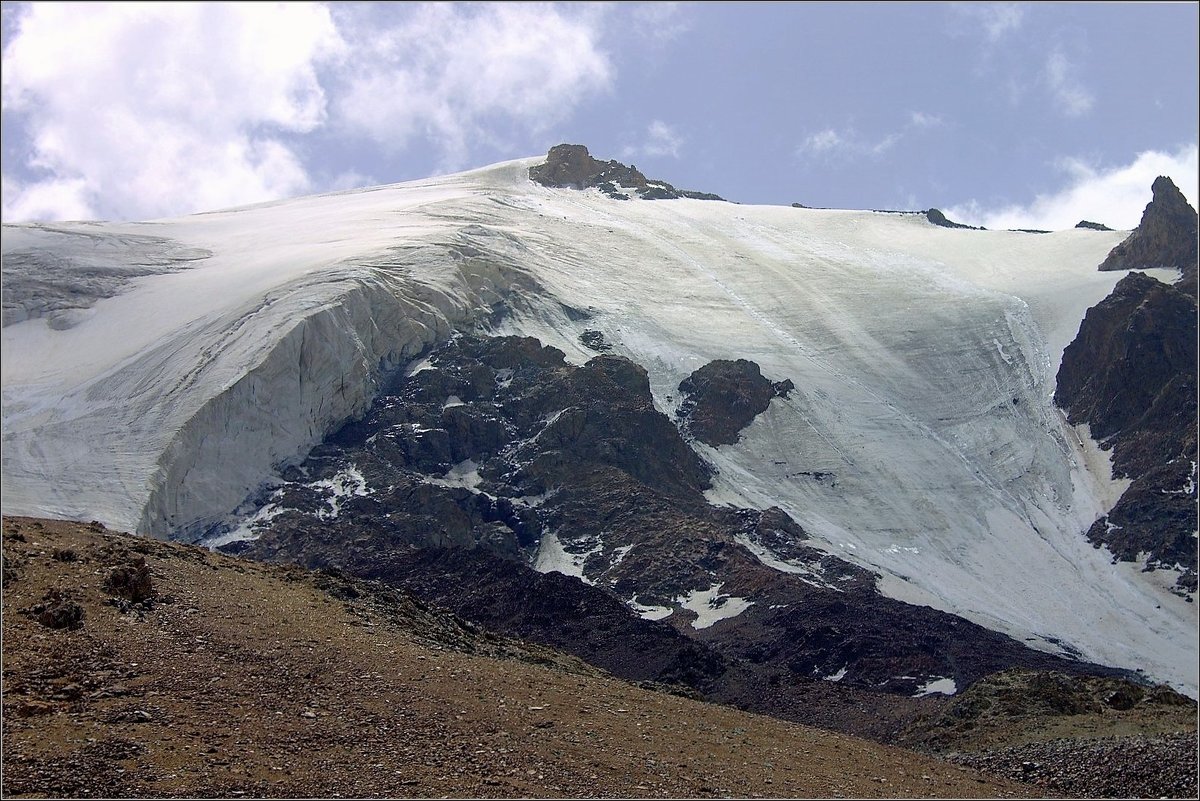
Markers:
920,441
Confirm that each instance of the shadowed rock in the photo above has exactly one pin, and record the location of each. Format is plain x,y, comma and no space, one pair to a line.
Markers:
1130,374
572,167
1166,236
723,397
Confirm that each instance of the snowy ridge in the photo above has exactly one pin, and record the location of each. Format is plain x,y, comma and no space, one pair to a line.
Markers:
923,360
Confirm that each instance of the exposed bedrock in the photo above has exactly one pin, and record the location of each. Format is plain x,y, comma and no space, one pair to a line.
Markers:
723,397
1165,237
1130,375
571,166
495,458
325,367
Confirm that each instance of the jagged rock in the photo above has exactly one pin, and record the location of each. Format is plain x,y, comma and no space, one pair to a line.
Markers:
1130,374
57,611
131,582
1094,226
936,217
723,397
572,166
574,469
1165,237
594,340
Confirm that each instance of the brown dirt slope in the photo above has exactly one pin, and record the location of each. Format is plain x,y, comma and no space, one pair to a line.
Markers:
220,678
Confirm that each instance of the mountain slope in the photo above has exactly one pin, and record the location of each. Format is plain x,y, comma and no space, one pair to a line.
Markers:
232,678
922,359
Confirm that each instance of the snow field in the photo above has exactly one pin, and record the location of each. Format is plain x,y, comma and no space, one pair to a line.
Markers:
923,359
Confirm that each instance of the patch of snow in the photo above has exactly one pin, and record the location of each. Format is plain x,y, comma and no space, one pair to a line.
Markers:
649,612
769,558
345,484
247,530
552,557
464,474
452,401
711,606
838,676
619,554
938,685
537,500
420,365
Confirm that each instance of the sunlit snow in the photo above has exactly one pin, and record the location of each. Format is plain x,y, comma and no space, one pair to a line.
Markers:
938,685
923,358
711,606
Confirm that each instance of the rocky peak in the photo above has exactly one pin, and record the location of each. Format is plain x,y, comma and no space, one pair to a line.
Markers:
1165,237
572,167
936,217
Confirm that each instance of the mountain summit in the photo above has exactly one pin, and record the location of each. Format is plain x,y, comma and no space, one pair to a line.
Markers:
1165,237
872,491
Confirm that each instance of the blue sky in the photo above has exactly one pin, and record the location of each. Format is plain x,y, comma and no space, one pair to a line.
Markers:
1007,115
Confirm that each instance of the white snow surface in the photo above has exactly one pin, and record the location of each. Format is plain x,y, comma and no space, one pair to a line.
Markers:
552,557
939,685
711,605
923,358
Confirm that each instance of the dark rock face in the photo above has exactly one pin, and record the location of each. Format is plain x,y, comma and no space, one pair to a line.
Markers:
1094,226
723,397
1165,237
936,217
131,582
571,166
1130,375
57,611
500,456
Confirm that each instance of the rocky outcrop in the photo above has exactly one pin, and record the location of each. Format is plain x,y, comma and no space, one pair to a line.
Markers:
571,166
1130,374
936,217
1165,237
723,397
1093,226
497,457
1079,736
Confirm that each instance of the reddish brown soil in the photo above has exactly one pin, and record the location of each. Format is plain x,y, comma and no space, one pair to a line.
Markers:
239,678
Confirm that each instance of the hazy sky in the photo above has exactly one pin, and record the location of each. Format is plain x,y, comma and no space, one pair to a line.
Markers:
1007,115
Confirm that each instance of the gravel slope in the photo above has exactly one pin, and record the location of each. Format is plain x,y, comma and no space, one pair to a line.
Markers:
236,678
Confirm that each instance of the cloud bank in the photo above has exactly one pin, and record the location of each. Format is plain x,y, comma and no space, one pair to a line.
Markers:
1114,196
153,110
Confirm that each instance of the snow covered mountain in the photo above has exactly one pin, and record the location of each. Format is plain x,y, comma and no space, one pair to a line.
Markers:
156,376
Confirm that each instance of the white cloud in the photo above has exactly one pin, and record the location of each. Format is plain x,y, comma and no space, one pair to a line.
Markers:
158,109
152,110
921,119
821,142
1070,96
444,71
848,143
993,20
45,200
661,140
660,23
1113,196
